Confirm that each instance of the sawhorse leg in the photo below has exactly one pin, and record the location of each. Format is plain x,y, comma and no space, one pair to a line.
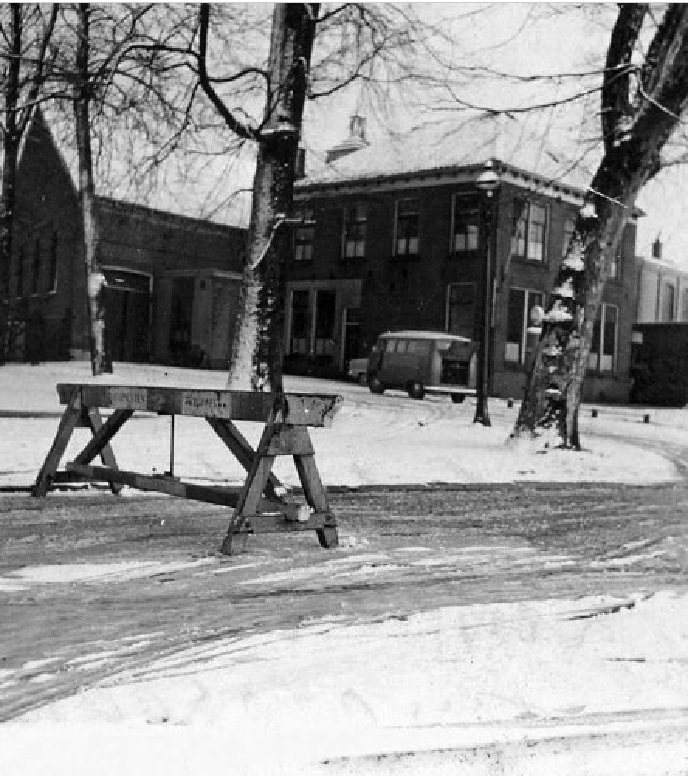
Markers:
283,439
314,491
70,417
98,445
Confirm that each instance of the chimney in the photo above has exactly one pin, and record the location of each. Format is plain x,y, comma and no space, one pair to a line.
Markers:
357,128
300,166
657,248
355,141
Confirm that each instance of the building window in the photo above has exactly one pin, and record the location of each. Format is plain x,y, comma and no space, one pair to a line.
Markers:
604,335
300,322
466,228
325,314
569,228
53,264
19,280
461,309
529,231
521,304
668,302
355,227
406,227
303,236
614,265
684,306
36,266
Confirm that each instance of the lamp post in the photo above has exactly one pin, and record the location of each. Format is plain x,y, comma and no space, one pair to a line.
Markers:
488,182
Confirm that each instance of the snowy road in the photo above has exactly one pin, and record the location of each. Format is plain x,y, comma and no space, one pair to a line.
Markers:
139,578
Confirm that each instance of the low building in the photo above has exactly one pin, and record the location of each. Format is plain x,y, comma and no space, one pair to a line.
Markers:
662,289
172,281
399,234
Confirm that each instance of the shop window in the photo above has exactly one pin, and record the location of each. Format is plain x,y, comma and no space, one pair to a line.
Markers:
36,266
466,229
529,230
602,357
521,304
52,273
461,309
325,315
355,229
300,322
19,276
406,227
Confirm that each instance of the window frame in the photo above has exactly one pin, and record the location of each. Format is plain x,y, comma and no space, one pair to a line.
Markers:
410,218
529,228
525,311
355,224
447,309
304,235
467,198
600,335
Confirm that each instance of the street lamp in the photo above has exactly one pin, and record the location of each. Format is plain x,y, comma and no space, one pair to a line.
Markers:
488,182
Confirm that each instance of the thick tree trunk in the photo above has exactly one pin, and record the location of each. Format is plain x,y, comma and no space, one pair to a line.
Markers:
257,348
94,278
11,140
634,137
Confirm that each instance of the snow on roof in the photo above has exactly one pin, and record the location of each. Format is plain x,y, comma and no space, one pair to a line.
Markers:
430,335
522,143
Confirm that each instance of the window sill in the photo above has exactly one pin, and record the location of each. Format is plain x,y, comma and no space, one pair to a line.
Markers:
531,262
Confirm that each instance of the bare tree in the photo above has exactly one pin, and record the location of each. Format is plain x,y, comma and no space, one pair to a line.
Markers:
83,87
25,36
642,105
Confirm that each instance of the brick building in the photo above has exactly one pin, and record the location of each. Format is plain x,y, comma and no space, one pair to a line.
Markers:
396,236
171,281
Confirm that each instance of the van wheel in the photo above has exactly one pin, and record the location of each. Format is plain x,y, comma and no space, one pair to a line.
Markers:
458,398
375,385
415,390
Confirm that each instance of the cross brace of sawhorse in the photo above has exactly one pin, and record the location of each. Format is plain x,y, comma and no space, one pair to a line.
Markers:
258,506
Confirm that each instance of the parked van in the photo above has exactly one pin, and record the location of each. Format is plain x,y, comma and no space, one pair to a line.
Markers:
423,362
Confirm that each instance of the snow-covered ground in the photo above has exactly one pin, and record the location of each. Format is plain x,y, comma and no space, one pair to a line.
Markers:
467,685
374,439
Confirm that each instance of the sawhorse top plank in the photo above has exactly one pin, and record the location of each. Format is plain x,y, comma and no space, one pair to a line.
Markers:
294,409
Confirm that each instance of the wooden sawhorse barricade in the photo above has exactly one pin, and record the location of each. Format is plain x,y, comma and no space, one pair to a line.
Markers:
258,506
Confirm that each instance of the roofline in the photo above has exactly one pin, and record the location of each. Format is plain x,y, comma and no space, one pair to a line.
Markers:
464,173
451,174
144,211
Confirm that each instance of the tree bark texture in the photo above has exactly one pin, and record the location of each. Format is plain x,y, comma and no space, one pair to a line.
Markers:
636,126
94,278
11,142
257,348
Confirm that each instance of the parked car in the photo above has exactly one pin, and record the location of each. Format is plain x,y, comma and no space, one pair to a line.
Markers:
358,370
423,362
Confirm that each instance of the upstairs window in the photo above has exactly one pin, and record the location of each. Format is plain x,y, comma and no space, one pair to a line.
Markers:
529,230
406,228
303,235
602,356
466,229
355,229
615,265
569,228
